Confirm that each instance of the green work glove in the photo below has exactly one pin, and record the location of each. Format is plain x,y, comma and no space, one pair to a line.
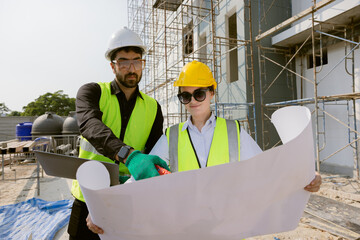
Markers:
142,166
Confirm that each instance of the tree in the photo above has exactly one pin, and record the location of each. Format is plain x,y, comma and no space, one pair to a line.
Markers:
56,102
14,113
3,109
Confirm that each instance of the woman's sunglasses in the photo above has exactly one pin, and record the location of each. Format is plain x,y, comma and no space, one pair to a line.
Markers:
199,95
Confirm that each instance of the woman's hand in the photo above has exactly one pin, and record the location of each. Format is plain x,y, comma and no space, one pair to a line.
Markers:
314,186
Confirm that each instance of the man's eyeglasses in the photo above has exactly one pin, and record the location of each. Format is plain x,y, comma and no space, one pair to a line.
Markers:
138,64
199,95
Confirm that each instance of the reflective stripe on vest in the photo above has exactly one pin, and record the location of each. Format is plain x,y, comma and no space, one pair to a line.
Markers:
136,134
86,146
225,146
88,151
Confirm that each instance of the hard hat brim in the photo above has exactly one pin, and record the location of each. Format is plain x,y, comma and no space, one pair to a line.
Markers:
194,85
109,52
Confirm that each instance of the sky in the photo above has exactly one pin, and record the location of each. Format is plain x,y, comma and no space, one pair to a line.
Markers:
51,45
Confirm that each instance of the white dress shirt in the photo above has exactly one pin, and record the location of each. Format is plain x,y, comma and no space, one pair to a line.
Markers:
202,142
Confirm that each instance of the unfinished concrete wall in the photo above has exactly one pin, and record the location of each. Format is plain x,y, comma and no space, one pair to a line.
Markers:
8,126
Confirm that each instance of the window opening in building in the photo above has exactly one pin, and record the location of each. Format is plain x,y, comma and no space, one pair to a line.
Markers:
188,38
233,54
317,59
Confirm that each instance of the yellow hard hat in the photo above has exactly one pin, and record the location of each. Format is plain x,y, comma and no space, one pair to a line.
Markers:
195,74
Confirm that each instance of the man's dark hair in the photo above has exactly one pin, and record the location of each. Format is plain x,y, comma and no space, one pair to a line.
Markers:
126,49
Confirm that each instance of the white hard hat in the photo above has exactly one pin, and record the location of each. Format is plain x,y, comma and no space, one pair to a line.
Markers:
123,38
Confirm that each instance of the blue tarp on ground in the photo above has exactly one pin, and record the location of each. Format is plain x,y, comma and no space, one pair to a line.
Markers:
35,216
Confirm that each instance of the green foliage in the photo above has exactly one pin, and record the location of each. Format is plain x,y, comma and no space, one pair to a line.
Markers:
56,102
14,113
3,109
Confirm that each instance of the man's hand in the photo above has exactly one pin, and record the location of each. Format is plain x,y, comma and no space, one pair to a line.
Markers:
92,226
314,186
142,166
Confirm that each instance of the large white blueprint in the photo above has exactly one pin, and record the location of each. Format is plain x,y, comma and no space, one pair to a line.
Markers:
258,196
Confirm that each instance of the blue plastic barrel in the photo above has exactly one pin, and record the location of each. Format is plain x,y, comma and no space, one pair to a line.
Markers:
23,131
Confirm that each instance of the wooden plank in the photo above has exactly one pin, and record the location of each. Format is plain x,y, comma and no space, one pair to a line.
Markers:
28,146
4,145
328,226
293,19
341,194
338,213
17,147
14,147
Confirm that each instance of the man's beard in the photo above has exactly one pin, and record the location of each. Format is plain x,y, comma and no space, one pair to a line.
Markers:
123,80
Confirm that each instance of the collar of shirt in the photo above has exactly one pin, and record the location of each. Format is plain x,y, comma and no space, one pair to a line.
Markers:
115,89
210,123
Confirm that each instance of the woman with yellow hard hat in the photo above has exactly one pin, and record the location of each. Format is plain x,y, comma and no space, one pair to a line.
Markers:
204,139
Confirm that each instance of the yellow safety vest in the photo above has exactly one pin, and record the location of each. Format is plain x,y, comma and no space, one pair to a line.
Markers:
225,146
136,134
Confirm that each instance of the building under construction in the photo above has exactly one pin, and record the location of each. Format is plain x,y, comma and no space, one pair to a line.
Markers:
264,54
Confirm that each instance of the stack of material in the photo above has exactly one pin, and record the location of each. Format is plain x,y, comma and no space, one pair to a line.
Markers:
334,217
18,147
15,146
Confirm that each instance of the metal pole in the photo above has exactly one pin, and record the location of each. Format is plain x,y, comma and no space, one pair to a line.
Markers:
337,37
2,165
252,64
315,89
38,177
166,68
213,30
154,48
260,80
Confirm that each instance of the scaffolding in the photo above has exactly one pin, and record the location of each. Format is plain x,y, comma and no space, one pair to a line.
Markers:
325,107
177,32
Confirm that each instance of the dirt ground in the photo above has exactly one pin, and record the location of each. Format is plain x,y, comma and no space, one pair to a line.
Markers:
335,187
51,188
12,191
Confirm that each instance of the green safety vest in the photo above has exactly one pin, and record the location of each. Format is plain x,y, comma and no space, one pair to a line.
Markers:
136,133
225,146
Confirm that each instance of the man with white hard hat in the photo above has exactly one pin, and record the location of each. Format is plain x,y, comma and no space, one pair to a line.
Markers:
115,119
